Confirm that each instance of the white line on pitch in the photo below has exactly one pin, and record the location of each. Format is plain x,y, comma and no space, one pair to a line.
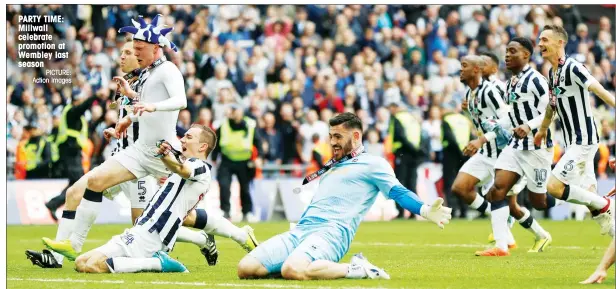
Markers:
199,284
446,245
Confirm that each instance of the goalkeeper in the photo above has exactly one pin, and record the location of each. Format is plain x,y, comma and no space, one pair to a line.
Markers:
348,187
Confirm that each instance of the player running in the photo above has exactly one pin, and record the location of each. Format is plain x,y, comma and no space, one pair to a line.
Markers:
483,101
521,214
573,178
348,187
527,95
142,247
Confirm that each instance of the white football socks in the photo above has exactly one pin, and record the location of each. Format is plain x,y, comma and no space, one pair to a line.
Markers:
478,202
500,228
84,218
134,265
65,228
186,235
578,195
220,226
529,223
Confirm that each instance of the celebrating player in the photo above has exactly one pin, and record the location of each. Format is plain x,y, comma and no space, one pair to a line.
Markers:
527,95
519,213
348,187
570,83
140,191
161,92
482,100
142,247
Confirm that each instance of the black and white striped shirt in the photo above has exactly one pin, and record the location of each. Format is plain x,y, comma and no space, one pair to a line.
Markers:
484,103
573,103
173,201
528,95
132,132
500,86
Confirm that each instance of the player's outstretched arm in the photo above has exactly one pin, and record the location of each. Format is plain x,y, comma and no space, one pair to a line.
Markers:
601,92
436,212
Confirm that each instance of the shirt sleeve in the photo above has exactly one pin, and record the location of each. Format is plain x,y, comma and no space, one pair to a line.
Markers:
581,75
174,83
383,177
496,102
199,170
541,90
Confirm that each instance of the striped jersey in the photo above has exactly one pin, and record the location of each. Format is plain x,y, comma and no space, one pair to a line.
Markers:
132,132
528,97
500,86
570,84
484,103
173,201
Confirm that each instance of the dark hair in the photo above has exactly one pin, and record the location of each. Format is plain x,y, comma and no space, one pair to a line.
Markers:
349,120
525,42
558,30
208,136
491,55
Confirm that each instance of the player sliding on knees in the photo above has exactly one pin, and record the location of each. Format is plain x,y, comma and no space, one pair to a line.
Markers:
570,83
348,186
142,247
527,94
159,91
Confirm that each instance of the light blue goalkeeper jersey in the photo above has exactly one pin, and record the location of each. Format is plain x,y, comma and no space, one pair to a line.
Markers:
346,192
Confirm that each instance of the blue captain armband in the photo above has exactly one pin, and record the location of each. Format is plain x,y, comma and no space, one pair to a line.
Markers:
406,198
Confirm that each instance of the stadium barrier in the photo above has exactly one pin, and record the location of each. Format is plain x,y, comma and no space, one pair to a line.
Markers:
273,200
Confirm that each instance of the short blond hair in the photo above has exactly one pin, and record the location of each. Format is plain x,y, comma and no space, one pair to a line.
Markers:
207,136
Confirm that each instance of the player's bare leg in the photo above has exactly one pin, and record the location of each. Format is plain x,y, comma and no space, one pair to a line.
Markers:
92,262
250,268
97,262
464,187
83,202
601,208
503,182
301,268
542,237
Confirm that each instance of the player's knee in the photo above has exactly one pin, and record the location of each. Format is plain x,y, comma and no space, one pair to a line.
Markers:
291,271
460,189
249,267
555,187
96,183
498,191
81,264
538,202
73,196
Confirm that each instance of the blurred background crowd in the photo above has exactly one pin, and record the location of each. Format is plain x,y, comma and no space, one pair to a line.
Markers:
292,67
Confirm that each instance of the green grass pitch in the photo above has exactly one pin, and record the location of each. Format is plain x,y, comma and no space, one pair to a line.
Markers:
415,254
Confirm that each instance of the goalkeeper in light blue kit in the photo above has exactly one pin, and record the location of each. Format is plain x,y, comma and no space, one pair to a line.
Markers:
348,186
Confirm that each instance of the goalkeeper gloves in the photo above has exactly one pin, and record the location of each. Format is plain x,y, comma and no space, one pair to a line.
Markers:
437,213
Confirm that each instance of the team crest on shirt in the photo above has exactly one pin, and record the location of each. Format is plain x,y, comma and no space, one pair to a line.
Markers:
562,78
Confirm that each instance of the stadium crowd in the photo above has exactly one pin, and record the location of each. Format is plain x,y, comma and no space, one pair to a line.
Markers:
293,67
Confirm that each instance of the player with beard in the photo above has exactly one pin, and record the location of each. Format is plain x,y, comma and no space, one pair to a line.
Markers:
348,186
